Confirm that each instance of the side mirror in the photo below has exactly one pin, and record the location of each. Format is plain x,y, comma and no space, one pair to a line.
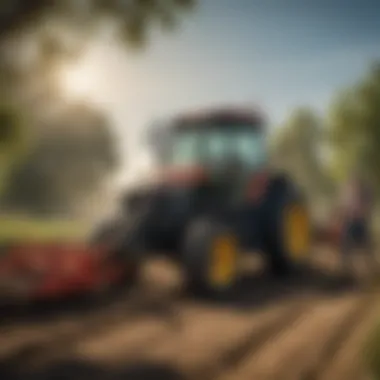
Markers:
157,139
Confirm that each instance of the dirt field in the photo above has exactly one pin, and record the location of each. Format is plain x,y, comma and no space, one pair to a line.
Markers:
309,328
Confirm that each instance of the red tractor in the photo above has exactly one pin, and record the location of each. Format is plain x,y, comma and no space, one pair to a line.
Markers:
214,198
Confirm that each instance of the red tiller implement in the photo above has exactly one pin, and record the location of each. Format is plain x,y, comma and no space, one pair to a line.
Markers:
31,272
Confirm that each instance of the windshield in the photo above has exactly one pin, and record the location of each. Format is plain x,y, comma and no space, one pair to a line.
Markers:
202,146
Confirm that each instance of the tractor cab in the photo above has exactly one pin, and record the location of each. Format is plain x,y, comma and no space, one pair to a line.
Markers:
221,146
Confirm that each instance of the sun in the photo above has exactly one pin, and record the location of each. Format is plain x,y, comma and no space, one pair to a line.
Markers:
77,80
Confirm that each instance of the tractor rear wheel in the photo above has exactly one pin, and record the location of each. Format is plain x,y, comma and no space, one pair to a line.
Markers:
287,228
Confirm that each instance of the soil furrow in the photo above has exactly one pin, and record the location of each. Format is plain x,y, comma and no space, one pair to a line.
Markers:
338,338
285,356
212,337
50,346
256,337
348,363
21,335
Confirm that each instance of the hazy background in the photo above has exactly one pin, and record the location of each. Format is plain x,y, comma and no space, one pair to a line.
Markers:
276,54
87,95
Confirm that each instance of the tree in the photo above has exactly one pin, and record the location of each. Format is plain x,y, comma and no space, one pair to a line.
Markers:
354,128
298,149
66,166
14,141
35,37
132,18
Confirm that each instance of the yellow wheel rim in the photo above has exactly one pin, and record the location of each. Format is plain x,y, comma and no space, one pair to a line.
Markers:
297,231
223,263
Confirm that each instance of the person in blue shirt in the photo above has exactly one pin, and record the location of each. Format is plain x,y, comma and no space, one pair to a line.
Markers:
356,207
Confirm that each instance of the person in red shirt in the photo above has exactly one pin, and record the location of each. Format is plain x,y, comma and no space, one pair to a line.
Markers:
355,212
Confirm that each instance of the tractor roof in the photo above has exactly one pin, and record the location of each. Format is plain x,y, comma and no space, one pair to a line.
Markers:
228,117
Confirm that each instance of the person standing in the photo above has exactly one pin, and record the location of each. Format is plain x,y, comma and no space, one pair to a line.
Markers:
357,202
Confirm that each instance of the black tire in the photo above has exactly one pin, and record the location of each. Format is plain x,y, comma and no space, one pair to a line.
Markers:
197,245
281,196
122,238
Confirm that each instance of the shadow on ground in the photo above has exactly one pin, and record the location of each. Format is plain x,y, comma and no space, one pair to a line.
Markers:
11,313
253,291
258,290
79,370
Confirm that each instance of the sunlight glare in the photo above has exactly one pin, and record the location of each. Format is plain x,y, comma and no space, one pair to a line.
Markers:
78,81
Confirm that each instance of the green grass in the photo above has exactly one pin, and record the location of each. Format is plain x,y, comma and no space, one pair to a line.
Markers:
16,229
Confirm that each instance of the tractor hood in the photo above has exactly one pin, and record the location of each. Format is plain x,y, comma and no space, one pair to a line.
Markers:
162,193
168,177
183,176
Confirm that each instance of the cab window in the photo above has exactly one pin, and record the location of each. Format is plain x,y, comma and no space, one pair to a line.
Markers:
213,145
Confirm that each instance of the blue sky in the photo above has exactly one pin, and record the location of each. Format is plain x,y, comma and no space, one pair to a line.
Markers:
277,54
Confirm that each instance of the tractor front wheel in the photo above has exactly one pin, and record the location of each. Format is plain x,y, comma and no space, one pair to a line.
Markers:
210,256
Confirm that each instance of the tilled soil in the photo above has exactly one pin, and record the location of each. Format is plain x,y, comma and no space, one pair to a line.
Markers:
311,327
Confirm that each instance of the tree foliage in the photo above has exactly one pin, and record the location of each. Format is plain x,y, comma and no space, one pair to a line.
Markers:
14,141
133,18
354,128
298,149
67,164
71,153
